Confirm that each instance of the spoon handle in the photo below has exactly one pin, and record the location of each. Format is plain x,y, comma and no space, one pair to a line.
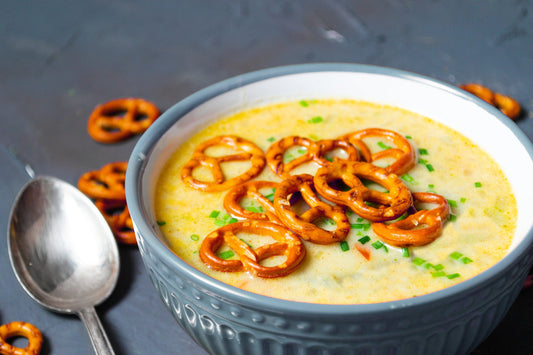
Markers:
98,336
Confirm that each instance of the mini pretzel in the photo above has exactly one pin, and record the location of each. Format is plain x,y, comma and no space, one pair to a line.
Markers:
20,329
118,217
251,190
303,224
119,119
417,229
403,154
287,244
509,106
108,182
316,151
246,151
391,204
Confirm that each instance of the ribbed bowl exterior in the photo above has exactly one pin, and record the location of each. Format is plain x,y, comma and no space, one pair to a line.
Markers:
453,326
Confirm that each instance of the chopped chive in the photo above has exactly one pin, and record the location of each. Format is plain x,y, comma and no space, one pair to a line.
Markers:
418,261
463,199
364,239
452,217
344,246
477,184
456,255
363,226
330,159
378,245
245,242
271,139
430,167
255,209
422,161
232,220
214,214
161,223
302,151
219,222
431,186
466,260
438,274
405,252
383,145
423,151
408,137
316,119
408,178
226,254
453,276
304,103
270,197
195,237
428,265
452,203
438,267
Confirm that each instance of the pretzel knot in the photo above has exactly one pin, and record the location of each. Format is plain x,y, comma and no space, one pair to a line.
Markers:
417,229
251,190
20,329
119,119
287,244
117,215
402,154
302,223
246,151
358,197
314,152
108,182
509,106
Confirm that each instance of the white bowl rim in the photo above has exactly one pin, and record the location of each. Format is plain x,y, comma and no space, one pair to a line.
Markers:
148,140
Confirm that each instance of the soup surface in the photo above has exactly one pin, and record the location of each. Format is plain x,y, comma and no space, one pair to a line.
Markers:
364,269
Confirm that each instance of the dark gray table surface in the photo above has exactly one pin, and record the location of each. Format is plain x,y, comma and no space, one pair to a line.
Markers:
59,59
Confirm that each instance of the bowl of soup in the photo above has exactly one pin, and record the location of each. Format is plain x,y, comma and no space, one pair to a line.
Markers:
334,208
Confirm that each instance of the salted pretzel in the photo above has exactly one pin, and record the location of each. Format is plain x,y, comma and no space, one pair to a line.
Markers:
303,224
246,150
20,329
358,197
509,106
315,151
117,215
402,154
251,189
419,228
287,244
119,119
108,182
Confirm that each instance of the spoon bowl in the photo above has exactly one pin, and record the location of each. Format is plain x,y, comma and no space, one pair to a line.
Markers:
63,252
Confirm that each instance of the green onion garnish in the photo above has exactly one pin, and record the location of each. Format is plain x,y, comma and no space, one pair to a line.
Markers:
477,184
161,223
456,255
304,103
378,245
438,274
463,199
195,237
452,203
344,246
271,139
316,119
423,151
422,161
214,214
226,254
466,260
408,178
254,209
364,239
418,261
452,217
383,145
453,276
430,167
408,137
405,252
363,226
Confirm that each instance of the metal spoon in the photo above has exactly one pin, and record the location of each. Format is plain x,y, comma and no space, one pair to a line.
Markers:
63,252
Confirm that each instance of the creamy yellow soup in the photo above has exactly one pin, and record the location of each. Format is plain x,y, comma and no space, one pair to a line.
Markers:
477,235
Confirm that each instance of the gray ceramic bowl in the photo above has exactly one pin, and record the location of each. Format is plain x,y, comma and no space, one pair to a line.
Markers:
227,320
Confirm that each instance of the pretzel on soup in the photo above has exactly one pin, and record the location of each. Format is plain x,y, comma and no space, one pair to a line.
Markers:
119,119
509,106
302,223
252,190
314,152
371,204
419,228
401,153
245,151
250,259
20,329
